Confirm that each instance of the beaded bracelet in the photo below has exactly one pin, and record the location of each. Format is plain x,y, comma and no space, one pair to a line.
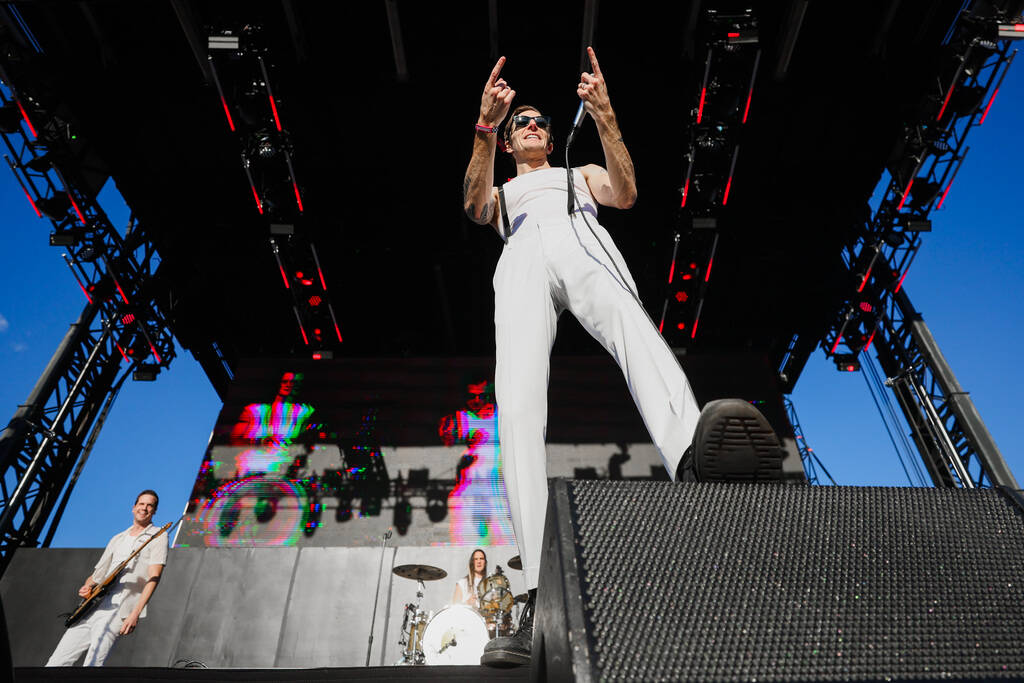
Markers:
487,129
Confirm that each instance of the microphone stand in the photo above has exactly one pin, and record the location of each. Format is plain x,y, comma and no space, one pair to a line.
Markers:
376,594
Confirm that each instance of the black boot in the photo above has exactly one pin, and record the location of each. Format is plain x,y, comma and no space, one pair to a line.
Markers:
507,651
733,442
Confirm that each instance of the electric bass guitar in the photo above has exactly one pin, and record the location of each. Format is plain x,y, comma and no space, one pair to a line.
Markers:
100,589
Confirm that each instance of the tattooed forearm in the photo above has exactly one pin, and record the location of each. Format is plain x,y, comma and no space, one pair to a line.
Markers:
485,215
465,189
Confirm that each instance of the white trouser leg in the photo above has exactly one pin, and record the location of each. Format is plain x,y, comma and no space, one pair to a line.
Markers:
611,314
525,320
94,635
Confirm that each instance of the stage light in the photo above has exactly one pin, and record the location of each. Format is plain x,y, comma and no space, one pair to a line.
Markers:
145,372
403,516
55,207
1010,31
437,504
917,225
63,238
323,355
225,41
846,362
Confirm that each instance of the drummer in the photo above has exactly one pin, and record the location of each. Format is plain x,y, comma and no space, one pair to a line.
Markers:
464,594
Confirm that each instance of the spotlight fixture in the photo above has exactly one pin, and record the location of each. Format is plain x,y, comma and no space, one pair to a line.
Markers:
403,516
55,207
63,238
437,504
846,362
1011,31
146,372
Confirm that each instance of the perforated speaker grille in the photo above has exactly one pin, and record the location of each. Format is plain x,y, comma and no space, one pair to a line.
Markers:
703,581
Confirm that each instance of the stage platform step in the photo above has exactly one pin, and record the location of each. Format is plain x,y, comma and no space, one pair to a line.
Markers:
451,674
651,581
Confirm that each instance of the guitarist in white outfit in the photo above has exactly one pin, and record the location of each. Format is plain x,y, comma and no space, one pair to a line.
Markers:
119,611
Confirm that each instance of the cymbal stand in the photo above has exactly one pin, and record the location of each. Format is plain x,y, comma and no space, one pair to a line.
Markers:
376,595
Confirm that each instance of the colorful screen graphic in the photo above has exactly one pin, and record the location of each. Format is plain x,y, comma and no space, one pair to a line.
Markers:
477,506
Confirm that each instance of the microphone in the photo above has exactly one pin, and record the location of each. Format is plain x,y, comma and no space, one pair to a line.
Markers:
580,113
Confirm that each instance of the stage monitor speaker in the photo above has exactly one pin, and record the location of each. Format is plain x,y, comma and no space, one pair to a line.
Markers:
662,581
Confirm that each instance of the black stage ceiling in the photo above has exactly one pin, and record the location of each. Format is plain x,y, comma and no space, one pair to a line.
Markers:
380,158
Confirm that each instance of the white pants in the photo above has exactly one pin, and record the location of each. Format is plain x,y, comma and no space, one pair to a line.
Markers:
546,267
94,635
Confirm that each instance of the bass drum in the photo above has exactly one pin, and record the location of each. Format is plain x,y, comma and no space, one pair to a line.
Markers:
455,635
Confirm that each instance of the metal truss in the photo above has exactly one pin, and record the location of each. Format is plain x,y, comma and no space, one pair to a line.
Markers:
810,460
239,68
120,323
952,439
722,107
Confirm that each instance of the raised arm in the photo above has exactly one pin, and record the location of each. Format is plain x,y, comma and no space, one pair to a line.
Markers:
616,185
479,196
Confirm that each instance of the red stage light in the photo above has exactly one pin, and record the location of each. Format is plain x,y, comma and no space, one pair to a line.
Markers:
315,300
155,354
687,276
298,197
77,210
671,271
298,274
836,345
284,277
30,201
317,356
866,307
259,204
686,189
227,112
128,319
681,296
681,326
707,275
700,108
905,193
989,106
732,35
121,350
273,108
944,194
693,265
24,115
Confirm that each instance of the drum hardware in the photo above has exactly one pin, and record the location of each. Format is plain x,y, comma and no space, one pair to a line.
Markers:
415,620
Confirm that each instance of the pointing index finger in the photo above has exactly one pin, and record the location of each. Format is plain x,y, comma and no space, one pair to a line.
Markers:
593,61
495,71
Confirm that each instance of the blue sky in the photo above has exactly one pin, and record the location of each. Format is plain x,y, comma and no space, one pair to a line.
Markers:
967,281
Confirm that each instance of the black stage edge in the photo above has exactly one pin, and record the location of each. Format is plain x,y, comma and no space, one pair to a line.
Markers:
650,580
353,674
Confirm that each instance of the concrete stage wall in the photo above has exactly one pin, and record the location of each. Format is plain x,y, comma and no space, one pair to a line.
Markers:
258,607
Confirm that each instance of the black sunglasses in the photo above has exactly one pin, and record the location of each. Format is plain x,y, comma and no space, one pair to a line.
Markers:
521,121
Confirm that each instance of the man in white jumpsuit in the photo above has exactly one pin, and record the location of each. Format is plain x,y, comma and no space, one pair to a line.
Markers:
554,261
125,603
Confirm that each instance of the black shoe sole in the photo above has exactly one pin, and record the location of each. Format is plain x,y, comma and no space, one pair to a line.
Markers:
504,658
734,442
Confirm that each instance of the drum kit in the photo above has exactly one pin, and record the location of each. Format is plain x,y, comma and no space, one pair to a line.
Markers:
456,634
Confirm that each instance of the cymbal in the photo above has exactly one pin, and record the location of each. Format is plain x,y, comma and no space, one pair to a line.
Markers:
419,572
522,597
515,562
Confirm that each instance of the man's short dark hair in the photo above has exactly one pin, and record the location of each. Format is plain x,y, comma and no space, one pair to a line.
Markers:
150,492
509,125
